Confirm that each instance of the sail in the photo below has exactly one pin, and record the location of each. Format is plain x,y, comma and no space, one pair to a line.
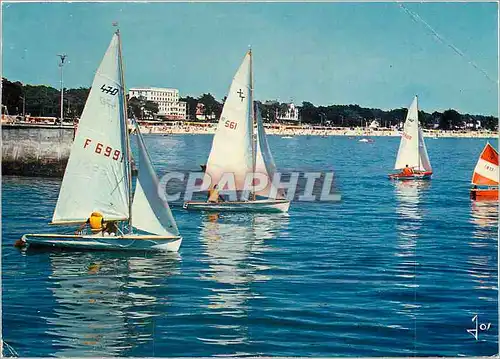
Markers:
425,163
486,170
264,161
96,176
412,151
150,212
232,144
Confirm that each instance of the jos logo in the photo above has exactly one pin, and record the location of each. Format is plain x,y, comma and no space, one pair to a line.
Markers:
479,327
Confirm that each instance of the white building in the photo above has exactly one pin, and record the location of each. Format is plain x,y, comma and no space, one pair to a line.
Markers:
374,125
167,99
201,113
291,114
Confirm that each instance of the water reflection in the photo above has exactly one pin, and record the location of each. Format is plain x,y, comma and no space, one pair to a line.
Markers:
409,216
482,265
484,215
235,247
106,303
409,222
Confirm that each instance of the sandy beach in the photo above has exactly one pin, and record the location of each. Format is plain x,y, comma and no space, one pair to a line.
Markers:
200,128
284,131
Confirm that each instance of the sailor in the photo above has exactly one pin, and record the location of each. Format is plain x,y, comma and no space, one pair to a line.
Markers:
95,221
214,196
111,228
407,171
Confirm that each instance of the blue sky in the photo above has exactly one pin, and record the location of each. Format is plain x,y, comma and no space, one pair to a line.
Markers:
372,54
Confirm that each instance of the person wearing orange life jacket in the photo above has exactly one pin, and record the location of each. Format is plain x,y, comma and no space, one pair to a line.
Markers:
407,171
95,221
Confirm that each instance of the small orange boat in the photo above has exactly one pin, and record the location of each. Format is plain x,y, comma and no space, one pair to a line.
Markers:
485,178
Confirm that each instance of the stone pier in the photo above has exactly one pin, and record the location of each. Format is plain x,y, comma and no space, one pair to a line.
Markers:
35,150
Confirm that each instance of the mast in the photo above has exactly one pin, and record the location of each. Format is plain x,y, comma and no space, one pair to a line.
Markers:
418,137
252,116
128,157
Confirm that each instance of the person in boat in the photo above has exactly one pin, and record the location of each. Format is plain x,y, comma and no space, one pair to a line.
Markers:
111,228
95,222
407,171
214,196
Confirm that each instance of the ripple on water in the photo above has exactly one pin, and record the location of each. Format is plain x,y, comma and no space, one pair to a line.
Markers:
395,269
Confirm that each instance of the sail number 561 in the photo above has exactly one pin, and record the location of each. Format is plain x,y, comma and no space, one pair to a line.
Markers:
232,125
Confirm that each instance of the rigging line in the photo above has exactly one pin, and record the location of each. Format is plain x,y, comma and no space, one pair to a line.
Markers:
417,18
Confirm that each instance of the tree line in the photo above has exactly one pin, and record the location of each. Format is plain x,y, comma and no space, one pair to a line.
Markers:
41,100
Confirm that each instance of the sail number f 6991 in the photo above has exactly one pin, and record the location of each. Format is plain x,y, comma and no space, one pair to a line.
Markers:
232,125
105,150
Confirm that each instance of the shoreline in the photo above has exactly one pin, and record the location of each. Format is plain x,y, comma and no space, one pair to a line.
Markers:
292,132
274,130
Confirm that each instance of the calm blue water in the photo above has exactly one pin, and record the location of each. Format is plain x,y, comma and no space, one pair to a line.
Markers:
392,270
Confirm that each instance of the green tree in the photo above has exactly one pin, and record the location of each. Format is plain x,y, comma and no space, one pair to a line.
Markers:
11,96
42,100
450,120
309,113
135,106
76,101
212,106
191,104
269,111
151,108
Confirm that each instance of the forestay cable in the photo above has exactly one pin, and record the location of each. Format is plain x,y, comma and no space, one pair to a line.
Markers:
441,39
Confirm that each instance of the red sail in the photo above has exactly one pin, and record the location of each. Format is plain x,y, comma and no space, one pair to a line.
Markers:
486,171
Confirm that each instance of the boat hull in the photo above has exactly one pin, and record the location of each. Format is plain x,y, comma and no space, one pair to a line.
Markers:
490,194
98,242
250,206
414,176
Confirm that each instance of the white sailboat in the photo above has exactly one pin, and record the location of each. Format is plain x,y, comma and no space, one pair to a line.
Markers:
234,151
412,158
98,176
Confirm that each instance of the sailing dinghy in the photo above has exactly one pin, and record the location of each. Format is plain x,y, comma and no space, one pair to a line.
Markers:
238,152
486,175
412,159
97,182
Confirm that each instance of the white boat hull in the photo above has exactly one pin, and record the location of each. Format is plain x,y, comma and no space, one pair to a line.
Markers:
98,242
248,206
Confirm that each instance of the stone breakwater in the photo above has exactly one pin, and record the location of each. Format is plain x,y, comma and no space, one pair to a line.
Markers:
41,150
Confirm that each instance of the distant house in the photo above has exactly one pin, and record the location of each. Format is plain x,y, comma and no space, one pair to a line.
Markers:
201,114
472,123
290,115
374,125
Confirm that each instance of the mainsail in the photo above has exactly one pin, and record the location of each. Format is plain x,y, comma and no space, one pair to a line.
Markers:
486,170
154,214
412,150
264,161
232,144
97,176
